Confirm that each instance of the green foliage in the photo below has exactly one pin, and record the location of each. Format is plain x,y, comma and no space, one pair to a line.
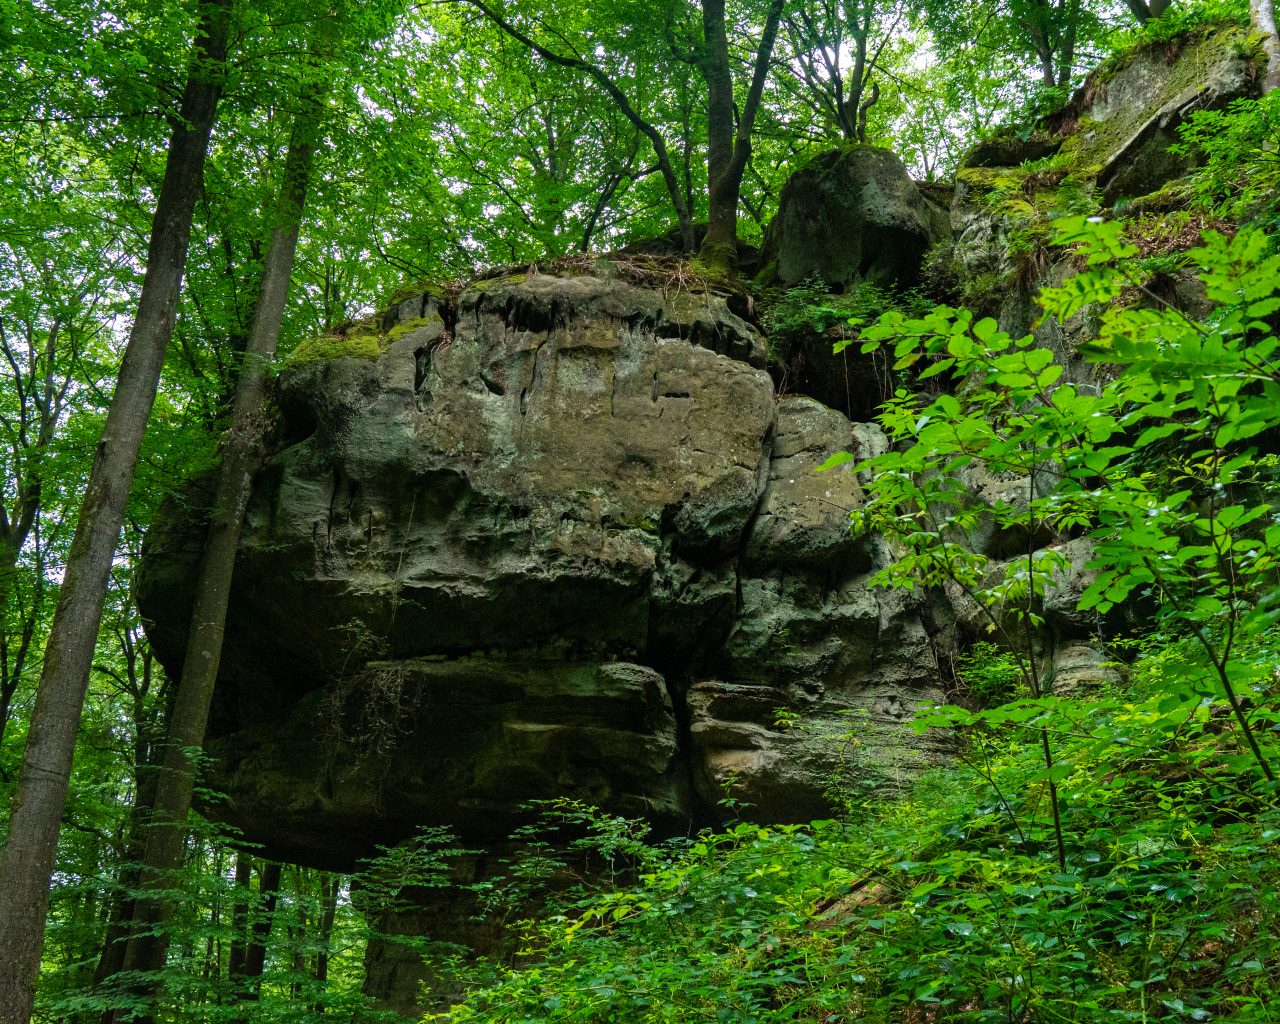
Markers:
1097,859
811,308
991,675
452,147
1194,538
1178,22
1240,148
948,904
421,862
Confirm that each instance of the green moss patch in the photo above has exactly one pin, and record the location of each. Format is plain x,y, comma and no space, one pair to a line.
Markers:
333,346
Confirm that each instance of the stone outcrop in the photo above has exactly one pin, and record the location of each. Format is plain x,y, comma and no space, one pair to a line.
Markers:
558,539
851,215
558,536
1109,145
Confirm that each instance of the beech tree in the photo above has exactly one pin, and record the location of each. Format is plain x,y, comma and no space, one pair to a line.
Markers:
819,36
609,84
241,454
28,857
730,127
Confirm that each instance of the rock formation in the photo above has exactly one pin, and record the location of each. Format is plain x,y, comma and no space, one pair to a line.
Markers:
558,539
851,215
557,536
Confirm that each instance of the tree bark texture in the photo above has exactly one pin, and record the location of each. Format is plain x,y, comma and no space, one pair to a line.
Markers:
29,854
241,457
1263,15
728,151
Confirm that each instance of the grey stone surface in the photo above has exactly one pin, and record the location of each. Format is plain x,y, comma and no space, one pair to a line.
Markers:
852,214
560,540
518,555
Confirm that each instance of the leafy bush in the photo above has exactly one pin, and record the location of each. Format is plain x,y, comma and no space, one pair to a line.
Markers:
1090,860
992,675
811,307
1240,147
948,905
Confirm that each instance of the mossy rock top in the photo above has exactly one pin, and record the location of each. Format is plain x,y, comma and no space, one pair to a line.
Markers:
1118,128
364,345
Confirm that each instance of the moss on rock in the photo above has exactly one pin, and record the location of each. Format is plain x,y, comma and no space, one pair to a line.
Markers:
333,346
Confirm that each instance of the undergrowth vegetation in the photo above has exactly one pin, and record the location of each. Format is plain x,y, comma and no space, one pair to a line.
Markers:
949,904
1105,855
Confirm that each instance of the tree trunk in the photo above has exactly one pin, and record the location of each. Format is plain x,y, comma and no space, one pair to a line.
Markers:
851,108
1140,10
240,920
298,934
720,246
1263,15
1044,51
1067,46
248,968
111,961
29,854
329,888
268,891
727,154
240,460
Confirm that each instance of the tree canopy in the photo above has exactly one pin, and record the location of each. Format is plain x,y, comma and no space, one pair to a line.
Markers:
191,190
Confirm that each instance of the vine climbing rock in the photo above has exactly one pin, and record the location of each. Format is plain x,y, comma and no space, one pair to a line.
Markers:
850,215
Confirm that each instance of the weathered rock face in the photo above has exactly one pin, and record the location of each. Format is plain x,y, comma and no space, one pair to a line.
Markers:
1127,118
558,540
851,215
1110,144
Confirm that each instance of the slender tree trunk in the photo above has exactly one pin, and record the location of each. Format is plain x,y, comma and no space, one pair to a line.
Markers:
328,912
146,727
1140,10
851,108
722,223
240,921
1044,51
8,687
111,962
268,892
29,854
298,933
241,457
261,915
727,152
1263,15
1067,48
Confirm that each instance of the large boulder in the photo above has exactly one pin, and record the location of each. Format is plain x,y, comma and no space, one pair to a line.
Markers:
1111,144
851,214
1127,114
559,539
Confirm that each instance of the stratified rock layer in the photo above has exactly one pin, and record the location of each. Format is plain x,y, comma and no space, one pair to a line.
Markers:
559,539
